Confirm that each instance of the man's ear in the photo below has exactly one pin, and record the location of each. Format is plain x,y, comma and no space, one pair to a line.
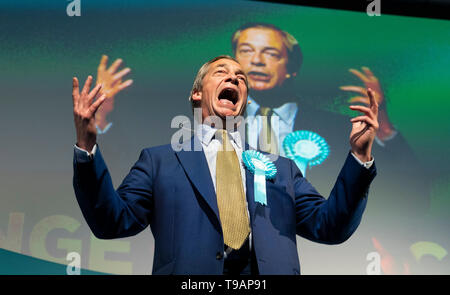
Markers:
197,95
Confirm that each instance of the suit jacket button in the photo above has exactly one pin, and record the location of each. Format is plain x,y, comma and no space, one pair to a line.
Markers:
219,255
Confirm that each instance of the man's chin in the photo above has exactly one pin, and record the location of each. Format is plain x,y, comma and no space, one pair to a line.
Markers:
260,86
224,112
227,114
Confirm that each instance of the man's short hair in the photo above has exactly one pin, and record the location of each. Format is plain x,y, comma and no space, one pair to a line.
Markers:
295,56
198,82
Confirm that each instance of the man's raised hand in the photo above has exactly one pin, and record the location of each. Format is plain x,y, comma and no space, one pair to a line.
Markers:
84,108
111,78
364,128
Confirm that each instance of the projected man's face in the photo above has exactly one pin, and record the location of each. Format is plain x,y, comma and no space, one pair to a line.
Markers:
224,91
263,57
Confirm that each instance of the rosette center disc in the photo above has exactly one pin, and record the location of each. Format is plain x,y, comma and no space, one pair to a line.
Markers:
306,149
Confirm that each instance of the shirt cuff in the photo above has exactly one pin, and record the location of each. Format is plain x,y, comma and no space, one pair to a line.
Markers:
82,155
366,164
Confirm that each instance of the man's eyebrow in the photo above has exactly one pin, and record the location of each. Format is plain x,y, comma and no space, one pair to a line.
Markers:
241,72
271,48
265,48
222,66
246,44
238,72
227,67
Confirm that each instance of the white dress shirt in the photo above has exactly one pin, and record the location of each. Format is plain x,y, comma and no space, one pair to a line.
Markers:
282,122
211,145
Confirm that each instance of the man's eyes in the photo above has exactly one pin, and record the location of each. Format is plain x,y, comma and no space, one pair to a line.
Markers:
273,54
245,50
221,71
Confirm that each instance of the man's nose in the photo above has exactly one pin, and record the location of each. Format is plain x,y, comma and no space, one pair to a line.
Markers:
257,59
232,78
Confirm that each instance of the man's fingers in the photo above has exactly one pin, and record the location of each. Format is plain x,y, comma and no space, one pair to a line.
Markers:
366,119
94,107
87,86
372,100
360,99
359,75
367,111
125,84
368,72
75,91
94,93
122,73
103,63
75,86
379,247
358,89
116,64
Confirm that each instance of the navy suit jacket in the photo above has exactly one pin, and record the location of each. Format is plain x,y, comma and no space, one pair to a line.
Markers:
172,191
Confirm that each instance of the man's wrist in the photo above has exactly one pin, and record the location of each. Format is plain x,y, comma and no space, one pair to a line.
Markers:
83,155
365,157
85,146
367,164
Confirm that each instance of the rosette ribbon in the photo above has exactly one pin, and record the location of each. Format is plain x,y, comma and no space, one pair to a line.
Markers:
306,149
263,169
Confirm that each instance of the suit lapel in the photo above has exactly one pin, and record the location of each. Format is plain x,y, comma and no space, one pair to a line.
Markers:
196,167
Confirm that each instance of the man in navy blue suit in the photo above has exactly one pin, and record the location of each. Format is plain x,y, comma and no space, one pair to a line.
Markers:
201,205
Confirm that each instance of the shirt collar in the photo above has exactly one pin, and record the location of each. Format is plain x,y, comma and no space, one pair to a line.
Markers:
286,112
207,135
252,107
107,127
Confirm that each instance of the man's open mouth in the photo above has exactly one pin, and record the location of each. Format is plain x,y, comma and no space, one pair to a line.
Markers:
259,76
229,95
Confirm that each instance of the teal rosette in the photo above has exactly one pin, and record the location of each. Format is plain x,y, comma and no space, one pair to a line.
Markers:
263,169
306,149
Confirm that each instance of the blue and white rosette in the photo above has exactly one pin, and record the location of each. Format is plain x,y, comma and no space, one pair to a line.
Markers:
306,149
263,169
